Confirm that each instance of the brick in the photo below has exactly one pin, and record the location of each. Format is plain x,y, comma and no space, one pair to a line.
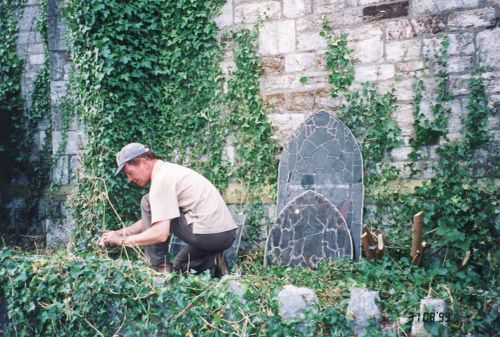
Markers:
300,62
254,11
458,64
285,124
406,50
327,6
438,6
274,103
296,8
408,28
385,11
370,73
310,41
489,47
277,38
479,18
225,18
300,101
272,64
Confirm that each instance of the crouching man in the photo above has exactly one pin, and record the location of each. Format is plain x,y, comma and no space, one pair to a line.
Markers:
180,201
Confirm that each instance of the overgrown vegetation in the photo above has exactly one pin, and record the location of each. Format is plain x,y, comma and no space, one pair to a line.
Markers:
24,169
149,72
152,75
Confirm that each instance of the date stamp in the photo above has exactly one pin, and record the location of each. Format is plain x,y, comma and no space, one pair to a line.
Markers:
430,317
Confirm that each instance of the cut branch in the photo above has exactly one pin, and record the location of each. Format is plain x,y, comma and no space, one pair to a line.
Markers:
416,242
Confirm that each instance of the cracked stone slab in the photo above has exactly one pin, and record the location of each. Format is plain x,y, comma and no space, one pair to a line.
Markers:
323,156
309,229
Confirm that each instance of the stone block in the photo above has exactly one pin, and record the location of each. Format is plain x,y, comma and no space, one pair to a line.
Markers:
225,18
479,18
459,85
296,8
277,38
370,73
285,124
58,233
460,64
274,102
310,41
28,19
401,153
385,11
404,118
229,154
300,101
430,308
403,89
410,69
367,44
309,23
300,62
489,47
324,101
254,11
327,6
345,17
406,50
74,169
272,65
60,173
36,59
362,309
57,91
294,302
461,44
59,62
438,6
75,141
492,82
294,81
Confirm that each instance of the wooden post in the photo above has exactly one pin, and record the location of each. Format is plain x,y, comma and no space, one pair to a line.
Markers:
416,241
365,242
380,245
420,254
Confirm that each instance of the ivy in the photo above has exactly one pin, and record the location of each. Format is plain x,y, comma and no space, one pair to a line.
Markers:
21,163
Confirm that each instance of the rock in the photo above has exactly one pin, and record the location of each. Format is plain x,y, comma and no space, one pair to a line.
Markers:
295,301
362,309
431,320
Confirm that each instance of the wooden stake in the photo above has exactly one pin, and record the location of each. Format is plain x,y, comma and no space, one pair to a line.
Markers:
420,254
365,242
416,241
466,259
380,245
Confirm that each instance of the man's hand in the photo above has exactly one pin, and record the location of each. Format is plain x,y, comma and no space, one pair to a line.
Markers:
111,238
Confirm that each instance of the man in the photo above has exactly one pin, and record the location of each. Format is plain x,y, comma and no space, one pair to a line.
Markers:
180,201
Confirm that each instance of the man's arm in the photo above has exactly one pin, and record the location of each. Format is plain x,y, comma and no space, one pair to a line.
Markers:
135,228
157,233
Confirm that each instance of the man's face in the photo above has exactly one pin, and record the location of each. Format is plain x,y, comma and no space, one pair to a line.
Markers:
138,174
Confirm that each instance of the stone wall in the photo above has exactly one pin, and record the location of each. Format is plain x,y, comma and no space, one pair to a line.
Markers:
390,40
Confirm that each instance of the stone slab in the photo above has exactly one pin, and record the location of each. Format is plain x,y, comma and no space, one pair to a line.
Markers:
323,156
385,11
308,230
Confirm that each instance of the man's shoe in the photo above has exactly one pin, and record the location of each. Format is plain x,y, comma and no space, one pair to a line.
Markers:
221,268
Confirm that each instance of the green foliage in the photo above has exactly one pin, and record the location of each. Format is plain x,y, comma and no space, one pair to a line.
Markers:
149,72
19,161
339,61
89,295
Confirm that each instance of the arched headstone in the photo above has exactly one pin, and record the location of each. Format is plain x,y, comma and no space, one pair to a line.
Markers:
323,156
307,230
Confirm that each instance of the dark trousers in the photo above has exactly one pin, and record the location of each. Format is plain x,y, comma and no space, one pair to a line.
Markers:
200,250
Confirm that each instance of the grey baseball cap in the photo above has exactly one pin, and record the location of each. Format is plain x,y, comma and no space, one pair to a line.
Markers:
129,152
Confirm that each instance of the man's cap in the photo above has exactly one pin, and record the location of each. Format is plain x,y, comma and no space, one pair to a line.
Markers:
129,152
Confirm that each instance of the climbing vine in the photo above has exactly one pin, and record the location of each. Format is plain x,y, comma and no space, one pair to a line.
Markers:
22,164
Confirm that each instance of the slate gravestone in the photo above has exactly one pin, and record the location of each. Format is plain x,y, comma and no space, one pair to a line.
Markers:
323,156
307,230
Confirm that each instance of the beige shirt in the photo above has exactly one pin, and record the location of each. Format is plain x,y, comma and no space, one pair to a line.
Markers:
174,186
